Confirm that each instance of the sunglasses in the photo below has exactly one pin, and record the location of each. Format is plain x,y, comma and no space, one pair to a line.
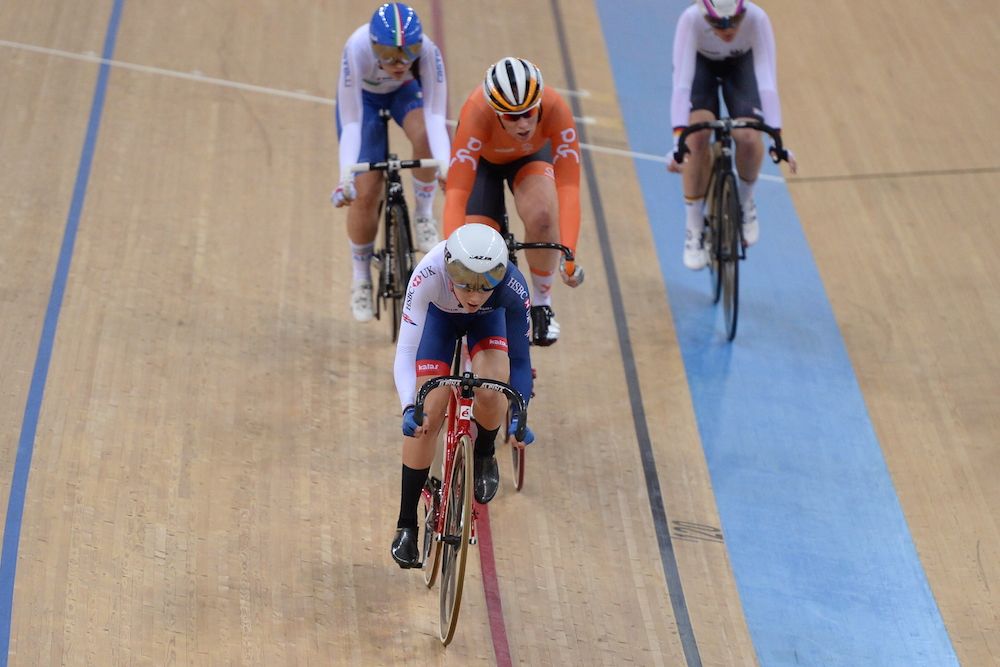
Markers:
725,23
390,55
530,113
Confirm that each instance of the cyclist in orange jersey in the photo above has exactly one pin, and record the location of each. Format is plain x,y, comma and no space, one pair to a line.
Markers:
515,130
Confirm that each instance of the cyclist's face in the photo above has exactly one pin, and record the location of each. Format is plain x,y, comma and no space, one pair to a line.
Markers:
520,127
726,34
396,69
471,300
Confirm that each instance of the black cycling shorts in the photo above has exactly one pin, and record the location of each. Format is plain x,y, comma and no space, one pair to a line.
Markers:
487,197
737,80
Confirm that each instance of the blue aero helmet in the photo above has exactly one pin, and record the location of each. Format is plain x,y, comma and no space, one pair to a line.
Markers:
396,33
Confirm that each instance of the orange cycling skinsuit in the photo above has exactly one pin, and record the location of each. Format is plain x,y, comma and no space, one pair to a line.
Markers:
479,135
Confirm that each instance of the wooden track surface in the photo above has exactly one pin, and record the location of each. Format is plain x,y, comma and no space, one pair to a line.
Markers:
897,198
216,466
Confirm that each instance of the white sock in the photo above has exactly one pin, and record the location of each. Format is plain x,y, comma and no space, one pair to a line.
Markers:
361,260
541,292
746,191
695,214
424,195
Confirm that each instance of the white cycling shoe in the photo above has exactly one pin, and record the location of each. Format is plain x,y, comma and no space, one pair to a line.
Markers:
695,254
751,228
426,232
362,305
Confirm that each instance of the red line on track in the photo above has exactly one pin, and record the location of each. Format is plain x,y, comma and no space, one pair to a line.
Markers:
491,587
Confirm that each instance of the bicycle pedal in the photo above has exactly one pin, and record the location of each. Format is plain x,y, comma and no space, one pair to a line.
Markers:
473,540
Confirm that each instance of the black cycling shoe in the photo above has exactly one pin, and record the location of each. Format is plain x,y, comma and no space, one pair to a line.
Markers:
404,548
487,478
544,328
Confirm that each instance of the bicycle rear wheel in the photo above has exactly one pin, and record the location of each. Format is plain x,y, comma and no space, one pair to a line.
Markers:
401,261
431,556
729,253
516,453
455,541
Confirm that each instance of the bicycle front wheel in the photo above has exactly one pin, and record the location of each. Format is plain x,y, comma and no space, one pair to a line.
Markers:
430,501
401,262
729,253
456,538
516,453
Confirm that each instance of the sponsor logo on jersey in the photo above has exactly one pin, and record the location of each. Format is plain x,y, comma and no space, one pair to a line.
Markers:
438,66
406,318
345,69
518,287
492,343
564,149
431,367
474,145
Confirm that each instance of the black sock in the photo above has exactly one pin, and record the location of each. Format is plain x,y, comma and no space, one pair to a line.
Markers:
409,497
485,442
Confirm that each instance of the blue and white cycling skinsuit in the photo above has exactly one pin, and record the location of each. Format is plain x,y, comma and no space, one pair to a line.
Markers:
364,88
433,320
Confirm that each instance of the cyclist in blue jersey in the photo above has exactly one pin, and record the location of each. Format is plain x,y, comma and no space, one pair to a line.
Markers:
463,287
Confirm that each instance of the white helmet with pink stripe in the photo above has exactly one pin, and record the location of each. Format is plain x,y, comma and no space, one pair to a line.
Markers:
722,14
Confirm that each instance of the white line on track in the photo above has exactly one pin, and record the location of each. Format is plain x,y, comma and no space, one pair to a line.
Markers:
197,76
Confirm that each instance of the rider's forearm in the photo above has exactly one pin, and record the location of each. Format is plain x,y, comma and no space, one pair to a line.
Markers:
569,215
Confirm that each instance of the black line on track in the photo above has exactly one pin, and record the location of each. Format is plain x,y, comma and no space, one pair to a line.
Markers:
660,520
971,171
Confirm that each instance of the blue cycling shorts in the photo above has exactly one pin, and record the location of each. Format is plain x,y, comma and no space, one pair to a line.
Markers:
374,133
483,330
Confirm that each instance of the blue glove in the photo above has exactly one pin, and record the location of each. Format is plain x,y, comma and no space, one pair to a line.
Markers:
529,437
410,425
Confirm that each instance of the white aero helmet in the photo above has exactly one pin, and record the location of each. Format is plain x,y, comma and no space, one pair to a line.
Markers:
513,85
722,13
475,257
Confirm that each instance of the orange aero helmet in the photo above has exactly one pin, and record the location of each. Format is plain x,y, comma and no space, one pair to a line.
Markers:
513,85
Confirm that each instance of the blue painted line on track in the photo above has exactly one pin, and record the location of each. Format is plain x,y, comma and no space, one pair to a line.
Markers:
36,392
825,566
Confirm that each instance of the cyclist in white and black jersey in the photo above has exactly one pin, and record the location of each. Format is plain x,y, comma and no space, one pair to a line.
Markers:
388,64
727,45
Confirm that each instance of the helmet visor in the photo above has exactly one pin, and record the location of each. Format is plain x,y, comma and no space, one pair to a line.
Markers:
388,53
467,279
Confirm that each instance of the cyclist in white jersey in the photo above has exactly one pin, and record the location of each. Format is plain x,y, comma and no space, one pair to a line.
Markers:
464,287
388,64
725,44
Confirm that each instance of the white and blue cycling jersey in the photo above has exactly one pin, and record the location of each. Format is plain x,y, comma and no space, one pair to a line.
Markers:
433,321
364,88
